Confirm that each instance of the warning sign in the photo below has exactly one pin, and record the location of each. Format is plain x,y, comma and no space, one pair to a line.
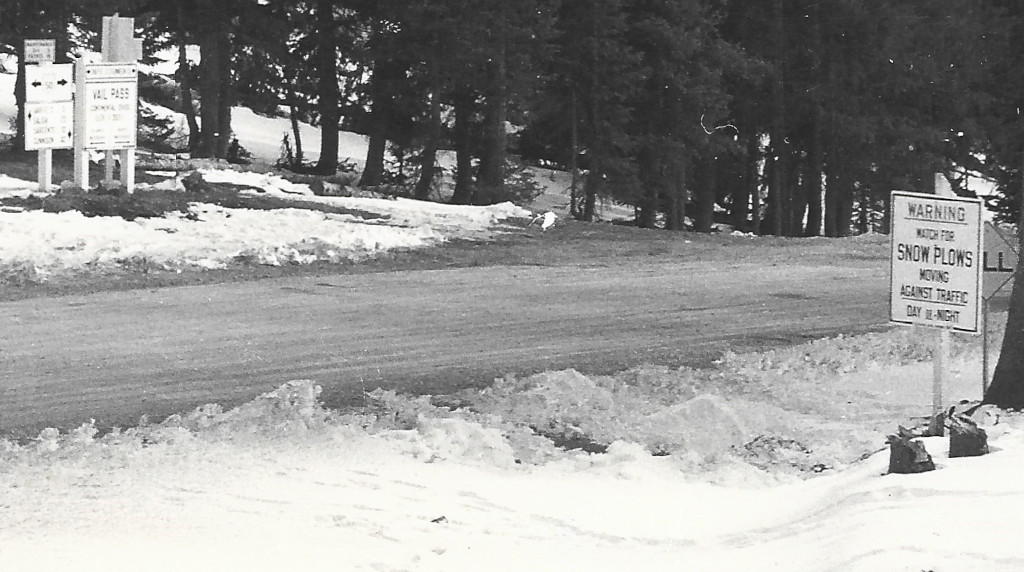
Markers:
936,261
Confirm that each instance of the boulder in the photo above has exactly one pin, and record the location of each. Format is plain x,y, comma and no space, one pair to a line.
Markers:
966,439
907,456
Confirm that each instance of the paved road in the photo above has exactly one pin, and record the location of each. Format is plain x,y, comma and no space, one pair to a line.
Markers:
115,356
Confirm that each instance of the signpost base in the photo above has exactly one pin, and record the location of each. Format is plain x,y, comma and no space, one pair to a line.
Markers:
128,169
937,425
45,169
82,169
108,168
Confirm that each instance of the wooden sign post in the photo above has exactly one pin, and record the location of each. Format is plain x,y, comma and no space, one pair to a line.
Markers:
936,272
106,104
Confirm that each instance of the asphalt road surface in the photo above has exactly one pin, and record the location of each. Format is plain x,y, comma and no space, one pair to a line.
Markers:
115,356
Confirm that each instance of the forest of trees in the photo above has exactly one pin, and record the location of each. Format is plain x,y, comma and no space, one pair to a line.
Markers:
780,117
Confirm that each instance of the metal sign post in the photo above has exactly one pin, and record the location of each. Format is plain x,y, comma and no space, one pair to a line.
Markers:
935,272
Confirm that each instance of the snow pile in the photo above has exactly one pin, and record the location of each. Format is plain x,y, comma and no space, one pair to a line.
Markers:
281,483
398,212
208,237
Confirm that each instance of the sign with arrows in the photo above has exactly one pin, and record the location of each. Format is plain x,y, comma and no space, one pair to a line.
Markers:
49,83
49,109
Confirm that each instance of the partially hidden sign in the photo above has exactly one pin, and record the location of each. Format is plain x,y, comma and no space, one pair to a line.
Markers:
936,261
40,51
1000,258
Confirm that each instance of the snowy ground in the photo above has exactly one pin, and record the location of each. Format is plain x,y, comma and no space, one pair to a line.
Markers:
769,461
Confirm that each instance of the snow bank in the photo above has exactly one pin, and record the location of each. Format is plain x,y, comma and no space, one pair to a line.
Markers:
280,483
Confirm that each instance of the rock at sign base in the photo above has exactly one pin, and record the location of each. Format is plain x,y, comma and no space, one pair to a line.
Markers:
907,456
966,439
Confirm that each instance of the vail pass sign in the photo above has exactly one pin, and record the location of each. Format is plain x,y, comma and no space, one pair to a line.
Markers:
108,94
936,263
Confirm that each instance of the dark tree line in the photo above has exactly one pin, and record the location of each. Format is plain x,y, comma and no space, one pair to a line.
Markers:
783,117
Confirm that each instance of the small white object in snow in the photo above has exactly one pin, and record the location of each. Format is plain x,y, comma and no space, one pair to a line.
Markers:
547,219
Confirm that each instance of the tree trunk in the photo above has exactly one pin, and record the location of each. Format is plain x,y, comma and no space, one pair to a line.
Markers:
753,181
815,167
844,212
463,133
590,195
832,192
428,159
187,105
1007,388
491,178
778,133
815,155
330,95
226,95
739,207
704,218
864,214
796,195
373,169
19,97
209,93
675,215
574,174
293,115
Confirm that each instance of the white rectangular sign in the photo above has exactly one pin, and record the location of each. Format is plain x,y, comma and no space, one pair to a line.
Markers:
49,125
49,83
40,51
936,263
110,106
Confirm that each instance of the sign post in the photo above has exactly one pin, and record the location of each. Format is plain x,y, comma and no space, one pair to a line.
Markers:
106,106
936,272
105,117
49,108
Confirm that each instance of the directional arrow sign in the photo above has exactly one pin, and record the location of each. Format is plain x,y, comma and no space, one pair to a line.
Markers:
49,83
